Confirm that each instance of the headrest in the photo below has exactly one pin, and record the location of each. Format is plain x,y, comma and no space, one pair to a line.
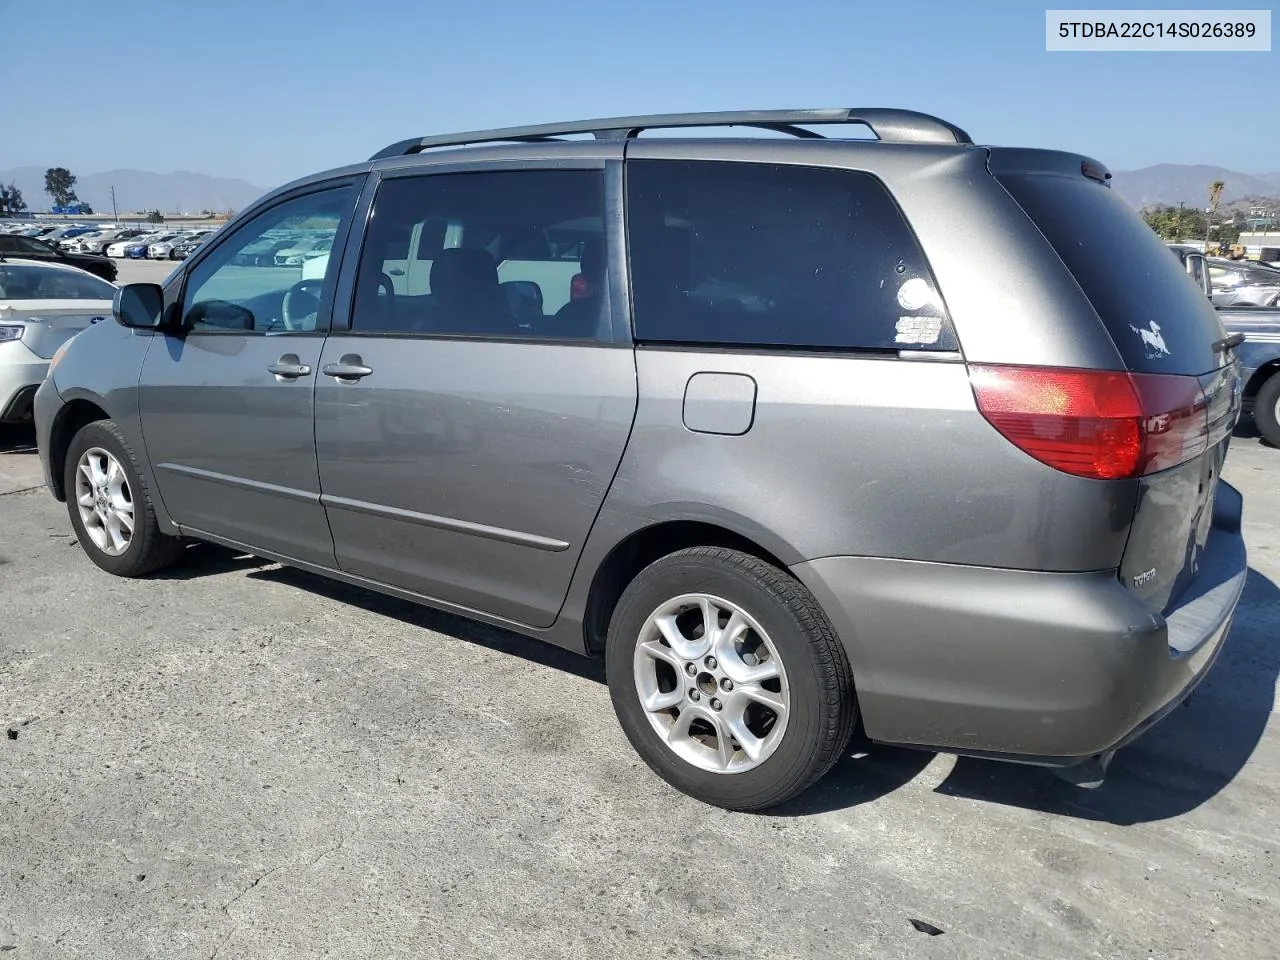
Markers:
459,272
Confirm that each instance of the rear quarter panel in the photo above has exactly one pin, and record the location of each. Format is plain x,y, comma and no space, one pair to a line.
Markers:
857,456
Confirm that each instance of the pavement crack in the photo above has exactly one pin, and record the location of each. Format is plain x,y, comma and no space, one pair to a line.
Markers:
342,839
10,493
226,907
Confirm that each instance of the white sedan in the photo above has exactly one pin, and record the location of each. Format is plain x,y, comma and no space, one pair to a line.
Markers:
42,306
162,249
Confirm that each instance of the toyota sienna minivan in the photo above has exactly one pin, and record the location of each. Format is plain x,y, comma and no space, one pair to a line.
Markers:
803,434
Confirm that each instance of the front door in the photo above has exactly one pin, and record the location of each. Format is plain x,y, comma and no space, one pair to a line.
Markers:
470,421
227,402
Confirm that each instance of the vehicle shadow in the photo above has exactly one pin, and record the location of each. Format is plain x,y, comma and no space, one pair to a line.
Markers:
863,775
1183,761
1178,765
461,628
203,559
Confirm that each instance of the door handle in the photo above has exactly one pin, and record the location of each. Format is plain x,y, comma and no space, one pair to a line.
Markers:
396,272
289,367
349,369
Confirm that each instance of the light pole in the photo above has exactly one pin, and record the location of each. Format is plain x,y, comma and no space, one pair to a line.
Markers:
115,214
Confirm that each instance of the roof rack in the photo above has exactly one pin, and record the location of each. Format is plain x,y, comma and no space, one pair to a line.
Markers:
890,126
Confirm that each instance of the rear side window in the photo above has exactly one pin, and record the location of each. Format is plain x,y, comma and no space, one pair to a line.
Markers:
776,255
1160,320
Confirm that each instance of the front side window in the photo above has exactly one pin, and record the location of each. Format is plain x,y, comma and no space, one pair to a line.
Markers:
503,254
757,254
246,285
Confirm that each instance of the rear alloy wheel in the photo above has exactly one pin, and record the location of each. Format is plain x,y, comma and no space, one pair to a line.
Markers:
110,506
727,678
1266,410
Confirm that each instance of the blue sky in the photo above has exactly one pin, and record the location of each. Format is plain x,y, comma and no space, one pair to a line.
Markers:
271,89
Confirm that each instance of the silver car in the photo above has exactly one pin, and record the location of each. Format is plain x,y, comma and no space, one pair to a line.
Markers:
1239,283
42,306
802,436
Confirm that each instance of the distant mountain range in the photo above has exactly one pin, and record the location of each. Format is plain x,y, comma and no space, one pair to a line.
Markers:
140,190
185,192
1172,183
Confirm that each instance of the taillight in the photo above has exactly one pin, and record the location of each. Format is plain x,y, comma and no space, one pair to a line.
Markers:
1101,424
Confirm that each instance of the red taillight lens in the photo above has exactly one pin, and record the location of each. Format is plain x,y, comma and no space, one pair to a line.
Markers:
1095,423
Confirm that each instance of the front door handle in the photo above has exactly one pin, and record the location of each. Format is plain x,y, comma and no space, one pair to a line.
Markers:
289,367
349,369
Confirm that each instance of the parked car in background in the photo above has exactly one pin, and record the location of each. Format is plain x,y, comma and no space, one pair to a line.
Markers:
42,305
1258,331
65,233
137,248
98,243
1260,364
31,249
761,438
1243,283
182,250
302,250
161,249
263,251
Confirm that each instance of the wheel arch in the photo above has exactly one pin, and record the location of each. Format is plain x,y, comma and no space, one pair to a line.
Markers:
70,418
641,547
1259,377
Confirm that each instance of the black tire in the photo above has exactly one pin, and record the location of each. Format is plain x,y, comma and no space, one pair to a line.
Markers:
149,549
1265,410
822,711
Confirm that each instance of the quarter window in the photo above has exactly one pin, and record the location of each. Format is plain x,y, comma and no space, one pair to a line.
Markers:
776,255
503,254
270,275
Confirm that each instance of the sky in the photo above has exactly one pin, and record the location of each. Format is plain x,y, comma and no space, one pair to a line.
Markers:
269,90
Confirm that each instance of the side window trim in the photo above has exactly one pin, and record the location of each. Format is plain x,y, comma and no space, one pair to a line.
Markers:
322,327
617,301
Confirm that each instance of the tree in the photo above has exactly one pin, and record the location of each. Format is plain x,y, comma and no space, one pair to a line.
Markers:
1215,196
155,216
60,183
1175,223
11,201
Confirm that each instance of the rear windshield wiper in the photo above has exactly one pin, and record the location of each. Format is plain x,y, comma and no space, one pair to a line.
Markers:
1228,343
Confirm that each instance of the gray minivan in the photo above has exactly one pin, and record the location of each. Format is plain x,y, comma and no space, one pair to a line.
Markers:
803,434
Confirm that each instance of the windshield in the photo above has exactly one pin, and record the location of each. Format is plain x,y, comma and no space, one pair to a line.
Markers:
23,282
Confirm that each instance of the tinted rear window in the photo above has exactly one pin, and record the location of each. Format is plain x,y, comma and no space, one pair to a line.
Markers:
776,255
1160,320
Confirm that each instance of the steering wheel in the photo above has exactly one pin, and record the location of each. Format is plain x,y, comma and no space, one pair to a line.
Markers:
291,316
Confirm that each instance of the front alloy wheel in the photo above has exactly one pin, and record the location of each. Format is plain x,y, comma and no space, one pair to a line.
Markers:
105,501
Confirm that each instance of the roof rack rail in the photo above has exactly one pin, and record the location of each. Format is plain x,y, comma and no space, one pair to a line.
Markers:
890,126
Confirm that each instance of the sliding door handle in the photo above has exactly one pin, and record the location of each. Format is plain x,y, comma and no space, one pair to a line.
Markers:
347,370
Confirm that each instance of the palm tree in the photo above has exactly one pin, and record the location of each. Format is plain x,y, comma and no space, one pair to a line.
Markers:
1215,197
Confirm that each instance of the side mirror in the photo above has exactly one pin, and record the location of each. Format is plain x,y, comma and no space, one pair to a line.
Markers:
139,305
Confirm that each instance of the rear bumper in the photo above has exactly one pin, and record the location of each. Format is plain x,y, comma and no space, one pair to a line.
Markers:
1046,668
